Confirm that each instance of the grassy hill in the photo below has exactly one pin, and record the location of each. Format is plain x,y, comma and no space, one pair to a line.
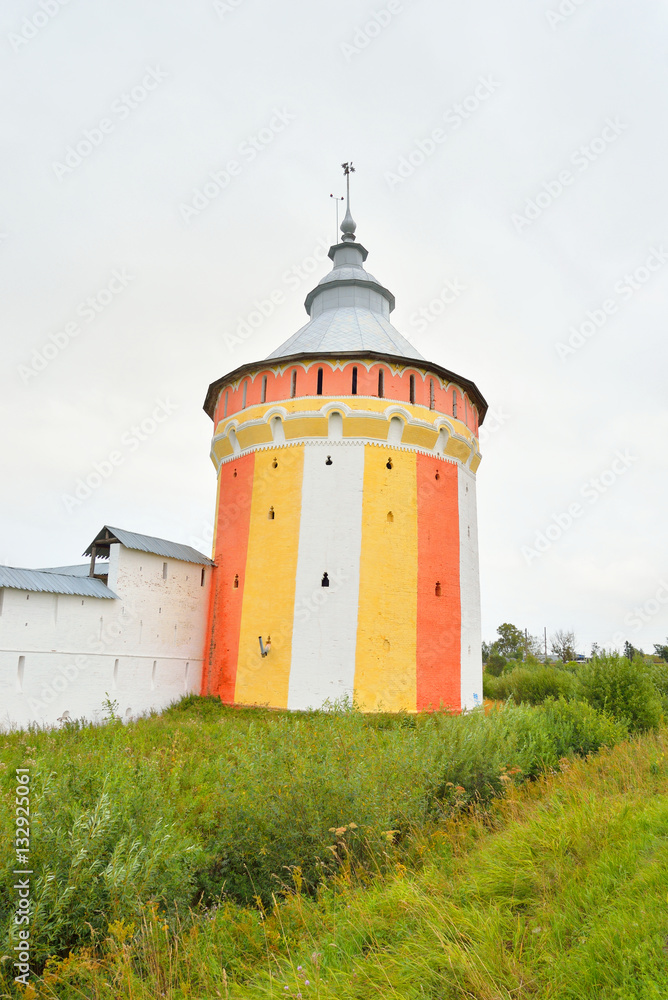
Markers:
215,852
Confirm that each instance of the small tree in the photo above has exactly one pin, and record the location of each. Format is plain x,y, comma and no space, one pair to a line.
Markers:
510,642
631,651
661,651
562,644
495,664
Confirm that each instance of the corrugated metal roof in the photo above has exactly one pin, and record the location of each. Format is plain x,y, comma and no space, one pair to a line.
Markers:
156,546
81,569
52,583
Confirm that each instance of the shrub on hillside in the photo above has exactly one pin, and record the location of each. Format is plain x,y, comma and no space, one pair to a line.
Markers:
658,671
624,688
495,665
531,684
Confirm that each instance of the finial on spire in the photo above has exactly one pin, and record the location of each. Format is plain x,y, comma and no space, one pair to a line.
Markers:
348,226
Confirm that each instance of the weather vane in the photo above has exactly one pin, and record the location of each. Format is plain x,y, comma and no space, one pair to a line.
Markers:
348,169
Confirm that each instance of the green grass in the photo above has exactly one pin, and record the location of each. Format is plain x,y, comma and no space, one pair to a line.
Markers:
475,856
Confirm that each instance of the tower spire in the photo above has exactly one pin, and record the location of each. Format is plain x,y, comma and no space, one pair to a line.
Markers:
348,226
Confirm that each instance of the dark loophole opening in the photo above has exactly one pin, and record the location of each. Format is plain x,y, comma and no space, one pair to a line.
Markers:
270,515
236,581
319,389
329,460
325,580
274,464
438,590
388,464
354,391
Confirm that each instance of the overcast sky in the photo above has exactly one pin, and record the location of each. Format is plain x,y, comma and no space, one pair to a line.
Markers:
166,166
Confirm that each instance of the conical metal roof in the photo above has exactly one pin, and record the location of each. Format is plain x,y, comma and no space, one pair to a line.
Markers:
349,310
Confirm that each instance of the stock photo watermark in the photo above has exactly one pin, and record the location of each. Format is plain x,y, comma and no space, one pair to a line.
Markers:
34,23
307,606
495,419
266,306
364,34
582,158
454,117
247,151
562,12
625,289
223,7
591,491
131,441
20,930
120,110
643,614
449,293
88,310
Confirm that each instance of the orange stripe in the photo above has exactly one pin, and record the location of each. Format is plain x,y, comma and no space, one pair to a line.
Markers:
232,530
438,618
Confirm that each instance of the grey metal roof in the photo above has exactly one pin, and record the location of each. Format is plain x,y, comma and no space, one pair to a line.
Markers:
81,569
348,328
147,543
46,582
348,311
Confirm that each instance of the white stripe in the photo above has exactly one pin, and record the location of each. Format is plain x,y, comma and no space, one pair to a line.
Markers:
469,581
324,634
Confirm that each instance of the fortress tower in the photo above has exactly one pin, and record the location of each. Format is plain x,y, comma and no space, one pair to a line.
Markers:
346,514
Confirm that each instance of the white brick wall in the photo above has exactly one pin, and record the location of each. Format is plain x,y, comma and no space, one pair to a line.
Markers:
76,649
469,580
330,539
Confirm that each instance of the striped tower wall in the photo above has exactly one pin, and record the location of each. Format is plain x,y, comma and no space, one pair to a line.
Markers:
398,627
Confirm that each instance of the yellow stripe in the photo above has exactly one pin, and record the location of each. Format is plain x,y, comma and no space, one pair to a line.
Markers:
385,667
271,570
311,405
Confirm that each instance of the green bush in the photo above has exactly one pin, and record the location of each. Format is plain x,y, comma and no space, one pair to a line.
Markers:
658,672
531,684
624,688
495,664
535,684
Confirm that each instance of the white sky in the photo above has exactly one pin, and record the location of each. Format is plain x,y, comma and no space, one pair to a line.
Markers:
594,76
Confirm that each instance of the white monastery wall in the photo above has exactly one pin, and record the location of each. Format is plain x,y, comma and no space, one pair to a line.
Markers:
61,652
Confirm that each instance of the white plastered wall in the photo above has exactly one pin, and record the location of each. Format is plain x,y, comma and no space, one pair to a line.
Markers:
76,650
469,579
330,540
